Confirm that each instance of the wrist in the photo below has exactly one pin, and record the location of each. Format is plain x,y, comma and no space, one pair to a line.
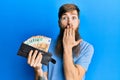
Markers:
67,51
39,71
67,48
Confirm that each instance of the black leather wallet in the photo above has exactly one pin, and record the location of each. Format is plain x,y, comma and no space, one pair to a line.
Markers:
25,49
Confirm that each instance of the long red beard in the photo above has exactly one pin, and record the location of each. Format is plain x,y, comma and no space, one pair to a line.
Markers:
59,44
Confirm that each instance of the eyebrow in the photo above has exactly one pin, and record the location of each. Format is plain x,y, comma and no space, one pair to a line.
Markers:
71,14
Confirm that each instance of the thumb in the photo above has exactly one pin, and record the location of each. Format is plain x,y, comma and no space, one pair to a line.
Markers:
78,41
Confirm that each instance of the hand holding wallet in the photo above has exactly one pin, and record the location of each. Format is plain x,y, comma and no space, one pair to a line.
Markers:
39,43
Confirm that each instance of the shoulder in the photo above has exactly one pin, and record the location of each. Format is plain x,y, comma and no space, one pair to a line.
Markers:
85,56
86,52
86,47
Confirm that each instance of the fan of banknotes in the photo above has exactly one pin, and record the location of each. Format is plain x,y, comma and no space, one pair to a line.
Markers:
39,42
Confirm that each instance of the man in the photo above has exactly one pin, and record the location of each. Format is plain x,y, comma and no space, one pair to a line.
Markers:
72,54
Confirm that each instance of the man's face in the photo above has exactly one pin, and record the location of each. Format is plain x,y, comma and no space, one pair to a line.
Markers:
69,20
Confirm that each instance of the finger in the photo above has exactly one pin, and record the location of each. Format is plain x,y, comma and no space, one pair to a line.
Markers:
70,32
33,57
29,56
37,60
40,59
65,33
68,26
73,32
78,42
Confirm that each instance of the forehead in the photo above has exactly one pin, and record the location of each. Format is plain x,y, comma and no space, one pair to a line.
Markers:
73,12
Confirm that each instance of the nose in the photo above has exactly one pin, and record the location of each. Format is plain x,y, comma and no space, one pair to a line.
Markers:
69,22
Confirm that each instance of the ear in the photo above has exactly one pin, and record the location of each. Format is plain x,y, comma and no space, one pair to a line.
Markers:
78,21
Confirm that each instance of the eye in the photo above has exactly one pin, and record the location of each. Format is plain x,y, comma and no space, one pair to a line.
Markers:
74,18
64,18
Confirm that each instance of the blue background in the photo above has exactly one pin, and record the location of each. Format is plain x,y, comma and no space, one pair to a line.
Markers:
21,19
